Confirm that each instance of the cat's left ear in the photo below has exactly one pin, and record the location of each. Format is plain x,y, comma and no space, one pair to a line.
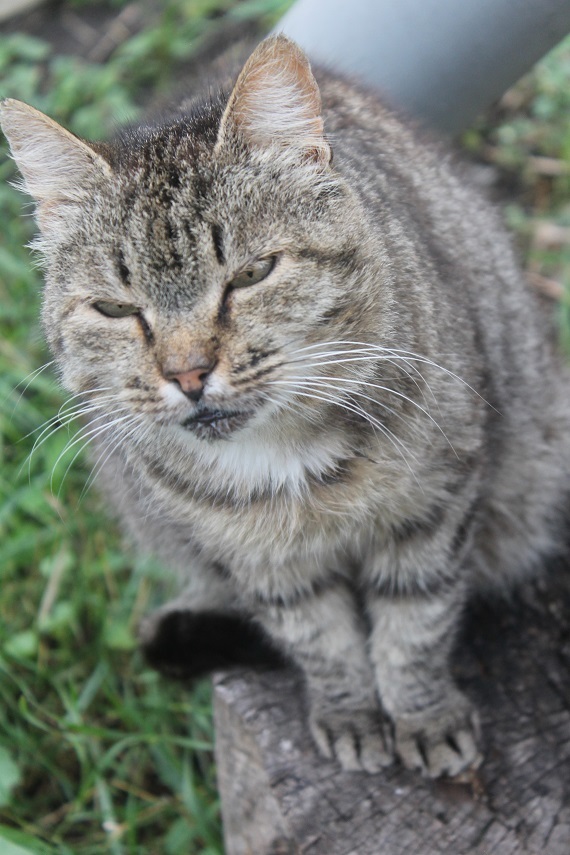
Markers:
276,103
58,168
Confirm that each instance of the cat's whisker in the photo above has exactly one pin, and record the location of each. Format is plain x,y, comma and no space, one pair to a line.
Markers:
33,374
66,409
334,393
354,346
119,436
79,436
326,383
279,403
373,358
317,358
319,395
410,356
65,416
410,377
70,464
85,392
28,380
92,398
398,444
341,357
390,391
84,436
53,425
395,353
50,428
93,391
283,402
341,348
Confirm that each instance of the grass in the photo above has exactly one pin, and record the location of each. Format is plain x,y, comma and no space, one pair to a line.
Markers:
97,754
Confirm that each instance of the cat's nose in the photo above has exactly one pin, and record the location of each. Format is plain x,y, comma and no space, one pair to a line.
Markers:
192,380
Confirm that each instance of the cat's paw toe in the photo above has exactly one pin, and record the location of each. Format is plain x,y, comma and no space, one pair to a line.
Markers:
443,745
360,741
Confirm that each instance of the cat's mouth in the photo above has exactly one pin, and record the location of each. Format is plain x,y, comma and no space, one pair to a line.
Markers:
216,424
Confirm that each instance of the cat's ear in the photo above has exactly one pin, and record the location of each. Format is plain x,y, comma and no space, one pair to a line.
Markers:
58,168
276,103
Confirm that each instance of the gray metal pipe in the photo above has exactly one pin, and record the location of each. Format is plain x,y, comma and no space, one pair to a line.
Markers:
442,60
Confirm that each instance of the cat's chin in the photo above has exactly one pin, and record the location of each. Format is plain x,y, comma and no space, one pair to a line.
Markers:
216,424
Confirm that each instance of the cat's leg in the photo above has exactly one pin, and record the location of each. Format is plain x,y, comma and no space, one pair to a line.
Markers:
203,630
435,726
323,634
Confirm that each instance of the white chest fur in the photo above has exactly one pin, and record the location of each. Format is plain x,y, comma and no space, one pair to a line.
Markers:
260,460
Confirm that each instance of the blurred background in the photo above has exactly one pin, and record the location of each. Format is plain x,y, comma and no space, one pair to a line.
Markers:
97,753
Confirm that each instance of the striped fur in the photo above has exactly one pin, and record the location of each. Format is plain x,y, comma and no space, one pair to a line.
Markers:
381,426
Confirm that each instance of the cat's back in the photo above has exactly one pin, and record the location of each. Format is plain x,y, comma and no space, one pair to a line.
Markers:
438,226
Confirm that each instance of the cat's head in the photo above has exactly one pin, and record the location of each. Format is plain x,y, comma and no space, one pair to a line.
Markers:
190,265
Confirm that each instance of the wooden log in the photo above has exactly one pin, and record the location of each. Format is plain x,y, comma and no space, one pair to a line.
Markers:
513,660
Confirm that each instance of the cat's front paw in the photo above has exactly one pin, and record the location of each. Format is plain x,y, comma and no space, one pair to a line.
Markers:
444,743
358,739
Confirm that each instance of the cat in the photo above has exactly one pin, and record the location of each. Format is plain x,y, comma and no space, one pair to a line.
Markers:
318,388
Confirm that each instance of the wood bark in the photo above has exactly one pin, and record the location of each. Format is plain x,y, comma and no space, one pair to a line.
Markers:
513,660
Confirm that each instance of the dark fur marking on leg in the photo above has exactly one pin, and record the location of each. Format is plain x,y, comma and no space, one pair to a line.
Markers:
462,534
422,748
187,644
330,740
452,742
317,589
419,526
357,744
435,586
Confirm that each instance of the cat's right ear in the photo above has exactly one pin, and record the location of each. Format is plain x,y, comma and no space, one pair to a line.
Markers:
276,105
58,168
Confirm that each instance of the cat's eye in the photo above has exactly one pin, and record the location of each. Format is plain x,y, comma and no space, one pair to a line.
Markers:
254,273
115,310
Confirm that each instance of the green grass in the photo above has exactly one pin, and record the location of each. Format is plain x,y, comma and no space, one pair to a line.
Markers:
97,753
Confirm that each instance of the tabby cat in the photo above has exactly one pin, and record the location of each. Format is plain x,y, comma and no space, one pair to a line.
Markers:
317,387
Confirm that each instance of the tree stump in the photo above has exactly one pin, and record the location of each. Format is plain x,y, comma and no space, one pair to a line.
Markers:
513,660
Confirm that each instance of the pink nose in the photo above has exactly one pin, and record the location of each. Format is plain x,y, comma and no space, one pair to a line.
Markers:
192,381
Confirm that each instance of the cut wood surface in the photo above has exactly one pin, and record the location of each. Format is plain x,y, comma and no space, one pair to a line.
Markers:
280,798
